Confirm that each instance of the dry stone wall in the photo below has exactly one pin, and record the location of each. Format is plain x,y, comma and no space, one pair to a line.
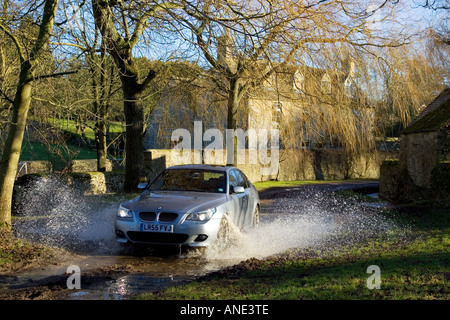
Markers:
292,165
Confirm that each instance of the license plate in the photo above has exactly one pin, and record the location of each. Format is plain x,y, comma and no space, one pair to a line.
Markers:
156,227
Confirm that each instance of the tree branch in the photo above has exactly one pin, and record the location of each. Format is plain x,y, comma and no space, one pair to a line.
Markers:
16,43
6,97
53,75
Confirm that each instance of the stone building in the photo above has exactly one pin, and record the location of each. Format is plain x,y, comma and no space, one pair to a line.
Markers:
298,99
292,100
422,170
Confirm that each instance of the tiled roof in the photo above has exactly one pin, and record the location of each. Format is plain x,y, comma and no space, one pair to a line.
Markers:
434,117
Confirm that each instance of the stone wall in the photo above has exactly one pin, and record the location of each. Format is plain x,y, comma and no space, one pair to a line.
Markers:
293,165
419,156
88,165
87,183
32,167
390,180
418,174
91,183
397,186
305,164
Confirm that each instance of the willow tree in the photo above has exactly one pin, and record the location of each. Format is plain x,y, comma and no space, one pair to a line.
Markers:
247,42
28,58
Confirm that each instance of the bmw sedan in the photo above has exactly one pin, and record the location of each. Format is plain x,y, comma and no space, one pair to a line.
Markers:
191,205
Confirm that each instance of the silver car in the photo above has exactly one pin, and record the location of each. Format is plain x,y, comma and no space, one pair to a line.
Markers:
189,205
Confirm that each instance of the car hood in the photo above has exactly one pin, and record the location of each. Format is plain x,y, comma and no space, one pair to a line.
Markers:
175,201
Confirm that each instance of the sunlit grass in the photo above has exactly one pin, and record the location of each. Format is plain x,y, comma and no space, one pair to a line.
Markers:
414,266
260,186
58,155
71,126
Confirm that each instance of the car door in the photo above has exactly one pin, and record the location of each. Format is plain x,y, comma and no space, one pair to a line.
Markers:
252,201
240,200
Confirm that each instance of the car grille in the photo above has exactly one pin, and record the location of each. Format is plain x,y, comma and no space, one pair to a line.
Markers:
147,216
158,237
167,216
163,216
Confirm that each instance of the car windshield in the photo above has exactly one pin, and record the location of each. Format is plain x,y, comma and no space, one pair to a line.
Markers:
190,180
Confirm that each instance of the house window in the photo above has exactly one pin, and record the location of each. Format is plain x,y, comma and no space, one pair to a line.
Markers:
276,114
349,87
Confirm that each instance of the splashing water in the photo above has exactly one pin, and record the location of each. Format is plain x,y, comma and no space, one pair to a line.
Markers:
313,221
57,215
273,236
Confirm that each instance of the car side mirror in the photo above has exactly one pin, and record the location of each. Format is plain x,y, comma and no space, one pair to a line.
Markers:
238,189
142,185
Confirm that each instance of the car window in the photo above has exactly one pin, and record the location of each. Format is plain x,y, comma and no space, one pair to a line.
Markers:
237,179
233,179
242,179
246,181
190,180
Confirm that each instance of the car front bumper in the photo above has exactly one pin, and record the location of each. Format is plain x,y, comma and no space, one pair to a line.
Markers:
191,233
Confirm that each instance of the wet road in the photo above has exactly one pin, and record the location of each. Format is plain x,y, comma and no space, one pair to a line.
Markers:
108,271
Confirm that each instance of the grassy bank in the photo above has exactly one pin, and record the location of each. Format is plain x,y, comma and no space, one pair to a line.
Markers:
415,266
59,156
71,126
18,254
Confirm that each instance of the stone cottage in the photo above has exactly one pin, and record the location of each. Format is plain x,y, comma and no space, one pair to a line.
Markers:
288,100
422,171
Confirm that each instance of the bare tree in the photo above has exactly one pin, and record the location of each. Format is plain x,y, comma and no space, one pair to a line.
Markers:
21,102
122,25
83,37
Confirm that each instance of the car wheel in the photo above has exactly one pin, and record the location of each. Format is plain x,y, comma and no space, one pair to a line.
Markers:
255,218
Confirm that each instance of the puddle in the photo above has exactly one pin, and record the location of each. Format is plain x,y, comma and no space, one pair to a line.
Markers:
125,286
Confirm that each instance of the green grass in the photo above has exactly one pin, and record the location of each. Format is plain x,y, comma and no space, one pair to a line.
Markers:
260,186
36,151
70,126
60,155
412,267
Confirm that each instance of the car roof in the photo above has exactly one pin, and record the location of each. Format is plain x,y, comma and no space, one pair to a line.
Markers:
203,167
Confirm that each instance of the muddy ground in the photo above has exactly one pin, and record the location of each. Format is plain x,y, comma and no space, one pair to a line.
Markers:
123,273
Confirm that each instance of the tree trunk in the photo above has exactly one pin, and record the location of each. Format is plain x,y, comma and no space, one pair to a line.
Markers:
121,51
232,107
21,104
13,147
101,107
100,139
134,144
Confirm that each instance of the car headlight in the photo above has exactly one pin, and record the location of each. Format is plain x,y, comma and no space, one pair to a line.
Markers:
202,215
124,213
